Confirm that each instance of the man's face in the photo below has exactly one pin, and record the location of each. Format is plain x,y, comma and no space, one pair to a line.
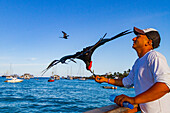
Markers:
140,41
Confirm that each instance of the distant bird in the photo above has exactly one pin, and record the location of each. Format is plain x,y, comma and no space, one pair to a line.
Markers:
64,35
86,53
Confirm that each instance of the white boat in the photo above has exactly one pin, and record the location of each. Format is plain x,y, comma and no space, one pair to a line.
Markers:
14,80
9,77
82,78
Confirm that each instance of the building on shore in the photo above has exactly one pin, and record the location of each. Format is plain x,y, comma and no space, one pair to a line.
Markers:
56,77
27,76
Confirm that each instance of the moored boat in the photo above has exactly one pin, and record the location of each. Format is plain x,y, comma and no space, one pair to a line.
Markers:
14,80
69,77
82,78
9,77
51,80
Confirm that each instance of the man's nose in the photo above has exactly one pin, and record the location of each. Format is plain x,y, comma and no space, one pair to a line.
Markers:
134,39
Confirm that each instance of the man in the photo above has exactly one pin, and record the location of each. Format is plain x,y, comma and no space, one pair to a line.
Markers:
150,75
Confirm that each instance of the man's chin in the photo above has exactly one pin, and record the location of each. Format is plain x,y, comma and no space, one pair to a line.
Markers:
133,47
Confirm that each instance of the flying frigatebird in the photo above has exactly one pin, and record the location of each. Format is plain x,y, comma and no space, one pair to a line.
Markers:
64,35
86,53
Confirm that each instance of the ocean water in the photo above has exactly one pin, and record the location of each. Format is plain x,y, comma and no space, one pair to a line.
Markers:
61,96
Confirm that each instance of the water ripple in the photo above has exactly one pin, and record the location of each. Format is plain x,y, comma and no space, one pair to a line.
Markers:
62,96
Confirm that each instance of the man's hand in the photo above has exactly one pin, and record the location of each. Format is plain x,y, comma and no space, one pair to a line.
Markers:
121,98
100,79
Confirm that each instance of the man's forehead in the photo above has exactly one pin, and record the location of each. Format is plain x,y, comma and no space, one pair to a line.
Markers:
140,35
143,36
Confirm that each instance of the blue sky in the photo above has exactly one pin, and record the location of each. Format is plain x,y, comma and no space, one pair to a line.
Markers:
30,31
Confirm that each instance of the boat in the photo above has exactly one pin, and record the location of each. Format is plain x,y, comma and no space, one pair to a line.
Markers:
56,77
69,77
109,87
9,77
82,78
14,80
51,80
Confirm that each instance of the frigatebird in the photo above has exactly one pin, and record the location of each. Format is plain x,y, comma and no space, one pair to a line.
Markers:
86,53
64,35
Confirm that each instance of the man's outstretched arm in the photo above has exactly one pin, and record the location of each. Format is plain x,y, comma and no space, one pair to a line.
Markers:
115,82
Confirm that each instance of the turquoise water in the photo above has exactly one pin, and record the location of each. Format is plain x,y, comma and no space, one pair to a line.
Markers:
41,96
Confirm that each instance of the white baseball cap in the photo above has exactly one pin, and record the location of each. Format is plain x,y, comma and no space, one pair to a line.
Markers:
151,34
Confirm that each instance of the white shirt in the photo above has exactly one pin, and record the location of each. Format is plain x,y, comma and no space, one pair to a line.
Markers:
146,71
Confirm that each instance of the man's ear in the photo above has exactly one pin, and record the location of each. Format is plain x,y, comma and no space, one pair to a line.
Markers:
150,42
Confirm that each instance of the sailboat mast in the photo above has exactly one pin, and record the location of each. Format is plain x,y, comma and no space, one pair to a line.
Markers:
71,70
10,69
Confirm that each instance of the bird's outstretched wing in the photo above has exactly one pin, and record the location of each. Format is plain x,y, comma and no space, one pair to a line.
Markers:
50,65
87,52
64,35
103,41
62,60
